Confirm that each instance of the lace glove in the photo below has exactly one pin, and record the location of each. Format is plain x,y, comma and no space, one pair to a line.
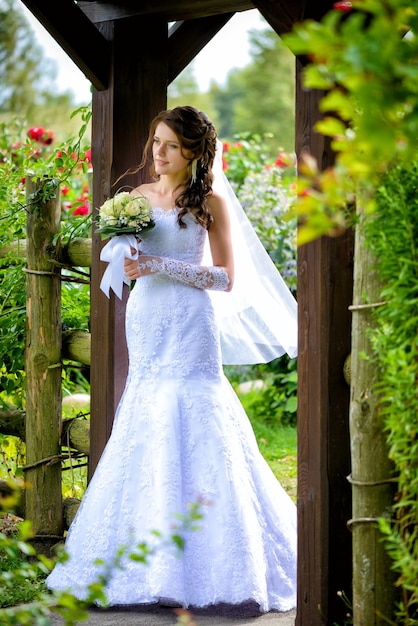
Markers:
215,278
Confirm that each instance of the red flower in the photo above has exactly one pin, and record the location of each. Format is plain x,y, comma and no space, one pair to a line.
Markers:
81,210
343,6
304,193
65,190
47,138
36,132
283,160
87,156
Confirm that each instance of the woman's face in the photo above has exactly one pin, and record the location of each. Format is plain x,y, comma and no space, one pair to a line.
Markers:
166,152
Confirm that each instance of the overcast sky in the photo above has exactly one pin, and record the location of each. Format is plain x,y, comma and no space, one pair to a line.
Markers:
227,50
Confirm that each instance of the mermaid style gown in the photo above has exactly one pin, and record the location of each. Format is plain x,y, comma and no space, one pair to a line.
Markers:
181,436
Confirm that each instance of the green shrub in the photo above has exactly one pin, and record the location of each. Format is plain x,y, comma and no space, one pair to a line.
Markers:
393,236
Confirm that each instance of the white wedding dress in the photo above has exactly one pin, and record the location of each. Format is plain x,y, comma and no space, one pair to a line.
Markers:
181,436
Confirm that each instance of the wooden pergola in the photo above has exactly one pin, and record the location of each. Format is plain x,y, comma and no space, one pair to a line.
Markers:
131,53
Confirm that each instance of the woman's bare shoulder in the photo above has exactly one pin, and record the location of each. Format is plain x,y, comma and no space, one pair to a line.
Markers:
142,190
217,205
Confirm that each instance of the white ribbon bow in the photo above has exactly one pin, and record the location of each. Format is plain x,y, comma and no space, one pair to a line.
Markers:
115,252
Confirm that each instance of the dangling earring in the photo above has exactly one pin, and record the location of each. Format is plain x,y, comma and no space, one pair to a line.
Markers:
194,172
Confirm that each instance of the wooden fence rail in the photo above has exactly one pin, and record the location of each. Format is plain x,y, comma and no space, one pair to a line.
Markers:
75,432
75,252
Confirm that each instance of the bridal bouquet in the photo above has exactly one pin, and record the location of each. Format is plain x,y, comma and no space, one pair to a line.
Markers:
123,215
122,218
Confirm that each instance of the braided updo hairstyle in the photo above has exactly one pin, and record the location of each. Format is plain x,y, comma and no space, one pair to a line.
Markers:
197,135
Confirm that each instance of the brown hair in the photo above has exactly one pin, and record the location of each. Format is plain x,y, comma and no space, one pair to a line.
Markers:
197,135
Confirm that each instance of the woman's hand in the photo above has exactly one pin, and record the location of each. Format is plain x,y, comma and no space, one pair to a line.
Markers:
131,265
134,268
131,268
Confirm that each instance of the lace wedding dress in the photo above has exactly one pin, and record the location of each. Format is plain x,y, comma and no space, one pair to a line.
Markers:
181,436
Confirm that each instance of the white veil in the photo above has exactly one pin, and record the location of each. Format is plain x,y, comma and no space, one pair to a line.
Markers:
258,317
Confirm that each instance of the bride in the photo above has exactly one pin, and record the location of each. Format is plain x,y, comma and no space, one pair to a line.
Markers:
180,435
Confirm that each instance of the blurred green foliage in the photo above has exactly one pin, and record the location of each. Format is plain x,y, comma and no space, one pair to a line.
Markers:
365,61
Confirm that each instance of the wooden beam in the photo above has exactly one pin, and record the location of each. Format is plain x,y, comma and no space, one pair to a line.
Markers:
121,118
282,16
188,38
325,284
77,36
316,10
166,9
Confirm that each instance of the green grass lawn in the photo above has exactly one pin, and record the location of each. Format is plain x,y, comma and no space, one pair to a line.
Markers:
277,443
279,449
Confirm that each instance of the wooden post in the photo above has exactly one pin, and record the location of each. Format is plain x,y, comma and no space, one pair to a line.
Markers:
373,579
43,506
325,275
121,117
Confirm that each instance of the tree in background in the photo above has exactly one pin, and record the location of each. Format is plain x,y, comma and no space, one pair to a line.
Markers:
261,96
237,107
21,67
185,90
27,88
